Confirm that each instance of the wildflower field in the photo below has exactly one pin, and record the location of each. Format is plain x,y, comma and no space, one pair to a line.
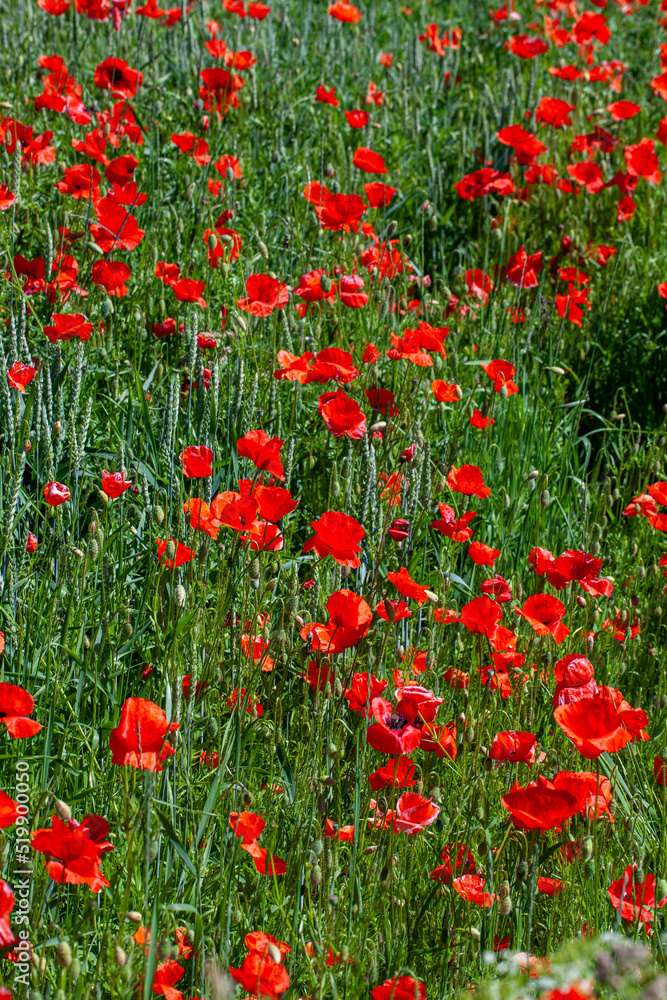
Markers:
333,499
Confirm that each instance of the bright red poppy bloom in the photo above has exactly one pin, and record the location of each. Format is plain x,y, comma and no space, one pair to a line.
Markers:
337,535
365,687
342,10
553,111
539,807
342,415
140,738
501,374
483,182
379,195
183,553
414,813
15,705
189,290
395,774
7,198
20,375
114,484
335,211
622,110
247,826
56,493
407,586
471,888
75,850
7,937
357,119
549,886
196,461
115,228
369,161
636,900
8,815
574,680
264,295
481,554
263,451
445,393
582,567
394,730
80,181
522,270
324,96
111,275
642,161
468,480
457,859
514,747
115,75
544,613
498,587
66,326
525,47
595,725
263,861
592,791
400,988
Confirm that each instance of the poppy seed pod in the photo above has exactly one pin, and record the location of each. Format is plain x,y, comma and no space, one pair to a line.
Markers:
545,499
63,810
119,956
316,875
63,954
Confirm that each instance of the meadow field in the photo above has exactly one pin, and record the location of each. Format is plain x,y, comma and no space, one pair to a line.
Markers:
333,423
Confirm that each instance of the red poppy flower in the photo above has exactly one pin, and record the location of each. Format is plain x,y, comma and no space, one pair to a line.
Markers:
414,813
549,886
379,195
140,738
75,850
635,900
525,47
8,815
337,535
357,119
445,393
526,145
258,940
522,269
625,210
114,484
183,553
501,374
259,11
369,161
484,182
392,611
553,111
263,451
20,375
582,567
660,770
539,807
592,791
111,275
7,198
394,731
395,774
595,725
574,680
81,181
115,75
274,501
196,461
479,421
324,96
310,289
407,586
400,988
263,862
513,746
365,687
642,161
115,228
342,10
342,415
481,554
498,587
471,888
247,826
56,493
7,938
66,326
335,211
622,110
264,295
15,705
544,613
469,481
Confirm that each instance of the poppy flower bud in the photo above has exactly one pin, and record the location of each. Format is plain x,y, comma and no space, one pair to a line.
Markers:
638,875
56,427
435,795
522,871
660,889
164,948
325,283
247,799
158,514
212,241
119,956
589,868
263,249
63,810
545,499
505,906
321,805
507,500
170,551
590,639
432,597
127,630
274,953
63,954
174,952
106,308
587,849
581,601
316,876
75,969
658,614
